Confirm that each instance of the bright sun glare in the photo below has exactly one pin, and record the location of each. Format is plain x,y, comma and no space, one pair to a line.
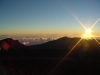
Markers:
88,31
88,34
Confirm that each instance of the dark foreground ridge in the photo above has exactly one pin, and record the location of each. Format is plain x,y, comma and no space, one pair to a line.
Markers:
17,59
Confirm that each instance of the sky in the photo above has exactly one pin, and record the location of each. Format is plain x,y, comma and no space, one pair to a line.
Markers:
48,16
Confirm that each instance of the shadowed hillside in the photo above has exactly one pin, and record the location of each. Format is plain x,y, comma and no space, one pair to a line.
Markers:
41,59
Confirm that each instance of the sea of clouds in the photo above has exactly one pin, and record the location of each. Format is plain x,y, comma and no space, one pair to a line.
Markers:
34,39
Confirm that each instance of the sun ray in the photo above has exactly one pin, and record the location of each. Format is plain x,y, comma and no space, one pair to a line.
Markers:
88,31
67,54
95,23
78,20
95,39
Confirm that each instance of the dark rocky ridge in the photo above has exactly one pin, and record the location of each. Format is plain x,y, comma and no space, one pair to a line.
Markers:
41,59
11,44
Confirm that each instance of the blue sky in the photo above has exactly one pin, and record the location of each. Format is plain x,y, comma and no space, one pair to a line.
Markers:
48,16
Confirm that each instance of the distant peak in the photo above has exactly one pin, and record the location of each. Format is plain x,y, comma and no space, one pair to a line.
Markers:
9,43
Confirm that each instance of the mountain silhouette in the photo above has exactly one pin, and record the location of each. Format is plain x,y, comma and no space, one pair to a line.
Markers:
56,48
9,43
41,59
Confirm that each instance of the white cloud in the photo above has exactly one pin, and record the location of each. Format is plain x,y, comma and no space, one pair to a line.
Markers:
33,39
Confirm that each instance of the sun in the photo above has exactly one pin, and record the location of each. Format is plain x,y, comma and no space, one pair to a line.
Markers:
88,31
88,34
